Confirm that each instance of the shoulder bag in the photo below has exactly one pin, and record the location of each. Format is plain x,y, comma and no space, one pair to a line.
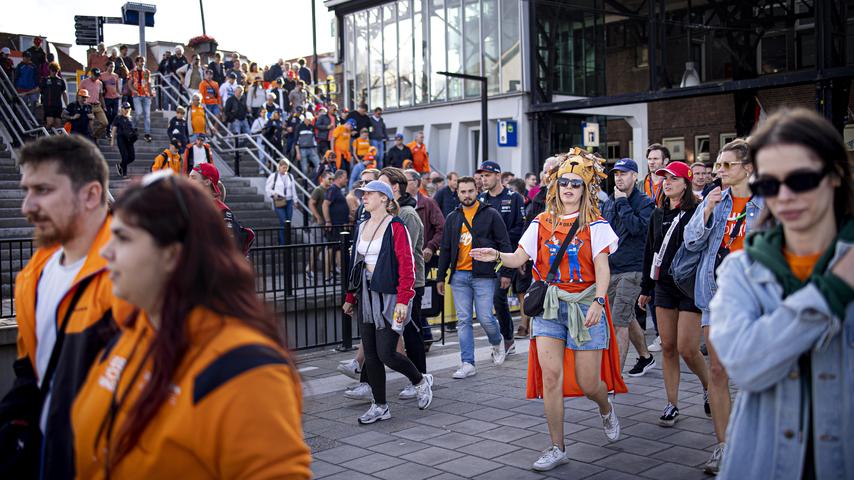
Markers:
536,295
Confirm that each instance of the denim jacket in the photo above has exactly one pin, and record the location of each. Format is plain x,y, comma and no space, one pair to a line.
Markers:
759,337
707,237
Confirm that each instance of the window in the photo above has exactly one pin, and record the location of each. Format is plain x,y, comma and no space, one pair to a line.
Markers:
349,61
421,83
701,148
390,54
726,138
676,145
361,58
471,45
404,52
511,52
773,53
455,48
490,45
438,51
375,83
614,152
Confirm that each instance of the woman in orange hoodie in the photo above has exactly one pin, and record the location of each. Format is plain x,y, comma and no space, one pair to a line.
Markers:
198,384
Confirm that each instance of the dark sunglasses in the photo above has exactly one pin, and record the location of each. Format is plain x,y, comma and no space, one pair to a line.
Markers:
570,182
799,181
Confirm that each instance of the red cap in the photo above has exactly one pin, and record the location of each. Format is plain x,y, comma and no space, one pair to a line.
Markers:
677,169
210,172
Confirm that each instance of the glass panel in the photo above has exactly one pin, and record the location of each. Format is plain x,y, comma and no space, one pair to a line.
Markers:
773,54
404,25
471,45
349,62
361,58
490,45
421,83
511,49
390,55
455,48
376,57
437,50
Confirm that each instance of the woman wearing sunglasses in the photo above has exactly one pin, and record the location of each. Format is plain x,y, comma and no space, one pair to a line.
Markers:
717,228
198,384
575,350
678,316
783,315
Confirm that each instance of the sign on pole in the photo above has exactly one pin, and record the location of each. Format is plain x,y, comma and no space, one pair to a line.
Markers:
590,133
507,133
88,30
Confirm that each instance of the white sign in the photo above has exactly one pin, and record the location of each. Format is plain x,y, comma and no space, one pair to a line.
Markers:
590,131
427,300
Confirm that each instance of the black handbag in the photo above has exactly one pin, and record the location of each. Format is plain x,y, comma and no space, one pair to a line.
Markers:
21,439
354,281
535,297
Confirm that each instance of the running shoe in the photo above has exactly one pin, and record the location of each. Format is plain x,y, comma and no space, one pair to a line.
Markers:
706,405
361,392
466,370
498,354
611,424
550,459
669,417
655,346
351,369
714,464
510,347
408,393
374,414
424,391
642,366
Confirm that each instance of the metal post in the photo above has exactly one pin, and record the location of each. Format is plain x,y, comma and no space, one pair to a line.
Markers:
288,266
484,124
346,320
314,43
202,9
142,35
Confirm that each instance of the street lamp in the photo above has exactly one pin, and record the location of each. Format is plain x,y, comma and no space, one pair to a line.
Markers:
484,135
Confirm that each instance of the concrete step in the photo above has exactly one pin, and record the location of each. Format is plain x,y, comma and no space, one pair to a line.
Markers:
13,223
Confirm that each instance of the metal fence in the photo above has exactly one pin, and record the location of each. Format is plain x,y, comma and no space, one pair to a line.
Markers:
295,235
14,254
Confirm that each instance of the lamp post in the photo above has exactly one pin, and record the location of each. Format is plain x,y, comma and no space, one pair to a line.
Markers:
484,119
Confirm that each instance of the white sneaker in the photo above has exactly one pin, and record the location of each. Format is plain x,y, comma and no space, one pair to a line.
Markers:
361,392
408,393
498,354
466,370
611,423
424,390
375,413
655,346
714,464
550,459
351,369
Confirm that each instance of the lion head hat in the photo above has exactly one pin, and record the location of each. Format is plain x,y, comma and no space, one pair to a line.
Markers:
588,166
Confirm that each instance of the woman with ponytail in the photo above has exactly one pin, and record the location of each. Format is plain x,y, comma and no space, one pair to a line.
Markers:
198,385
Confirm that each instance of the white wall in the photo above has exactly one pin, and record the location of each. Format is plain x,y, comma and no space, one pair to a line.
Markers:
448,132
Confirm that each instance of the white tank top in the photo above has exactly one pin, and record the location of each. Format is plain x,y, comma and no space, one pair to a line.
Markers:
371,253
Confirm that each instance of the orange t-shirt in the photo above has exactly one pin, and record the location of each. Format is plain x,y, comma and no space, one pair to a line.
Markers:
210,92
362,146
464,255
801,265
576,271
197,119
738,204
342,144
650,188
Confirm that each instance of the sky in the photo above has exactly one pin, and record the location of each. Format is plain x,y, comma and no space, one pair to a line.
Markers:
264,32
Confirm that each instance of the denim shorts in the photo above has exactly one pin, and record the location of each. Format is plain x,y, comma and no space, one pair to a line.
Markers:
556,328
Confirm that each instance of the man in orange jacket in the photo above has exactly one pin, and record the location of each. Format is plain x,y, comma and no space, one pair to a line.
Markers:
66,311
420,158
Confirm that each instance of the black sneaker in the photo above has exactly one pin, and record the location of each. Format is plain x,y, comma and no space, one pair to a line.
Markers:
119,170
451,327
642,366
706,405
669,417
147,138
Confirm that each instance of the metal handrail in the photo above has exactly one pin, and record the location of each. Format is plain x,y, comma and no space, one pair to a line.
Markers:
24,111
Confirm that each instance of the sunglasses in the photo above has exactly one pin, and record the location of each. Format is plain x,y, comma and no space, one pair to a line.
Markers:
570,182
726,165
799,181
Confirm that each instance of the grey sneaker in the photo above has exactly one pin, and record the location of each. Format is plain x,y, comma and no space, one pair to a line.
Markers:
466,370
550,459
714,463
611,423
351,369
360,392
498,354
374,414
424,391
408,393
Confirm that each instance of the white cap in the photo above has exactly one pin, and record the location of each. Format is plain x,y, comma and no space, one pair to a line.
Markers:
6,50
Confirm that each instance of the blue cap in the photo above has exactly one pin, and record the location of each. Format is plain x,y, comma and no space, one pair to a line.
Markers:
351,122
375,186
398,136
489,166
626,165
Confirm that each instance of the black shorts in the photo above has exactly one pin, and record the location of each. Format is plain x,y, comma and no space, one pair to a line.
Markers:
667,295
52,112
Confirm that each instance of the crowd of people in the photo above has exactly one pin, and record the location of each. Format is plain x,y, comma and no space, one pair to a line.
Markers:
745,268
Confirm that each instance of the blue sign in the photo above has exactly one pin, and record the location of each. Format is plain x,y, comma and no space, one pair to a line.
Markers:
507,133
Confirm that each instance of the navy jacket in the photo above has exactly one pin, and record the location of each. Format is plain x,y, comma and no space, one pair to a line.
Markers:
511,206
629,217
489,232
447,200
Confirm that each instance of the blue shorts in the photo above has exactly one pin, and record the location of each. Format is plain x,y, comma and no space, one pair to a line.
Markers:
557,329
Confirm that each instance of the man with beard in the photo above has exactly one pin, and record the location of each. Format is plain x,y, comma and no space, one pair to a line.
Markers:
66,311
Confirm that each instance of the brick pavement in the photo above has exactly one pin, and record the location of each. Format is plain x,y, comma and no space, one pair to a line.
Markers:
483,428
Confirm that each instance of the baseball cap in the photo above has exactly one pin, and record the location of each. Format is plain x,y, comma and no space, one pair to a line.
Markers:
6,50
351,122
83,92
210,172
626,165
95,71
489,166
201,136
232,75
374,186
398,136
126,105
677,169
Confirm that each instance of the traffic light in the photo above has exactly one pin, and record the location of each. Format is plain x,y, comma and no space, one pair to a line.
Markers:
88,30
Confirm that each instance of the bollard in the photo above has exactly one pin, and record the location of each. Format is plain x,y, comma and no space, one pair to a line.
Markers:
346,320
289,258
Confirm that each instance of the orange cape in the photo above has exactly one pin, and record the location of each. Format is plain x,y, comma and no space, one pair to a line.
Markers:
610,368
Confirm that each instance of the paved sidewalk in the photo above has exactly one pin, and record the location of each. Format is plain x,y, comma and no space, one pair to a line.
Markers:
483,428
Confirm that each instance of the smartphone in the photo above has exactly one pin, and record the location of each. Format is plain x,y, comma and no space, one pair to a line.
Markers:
717,183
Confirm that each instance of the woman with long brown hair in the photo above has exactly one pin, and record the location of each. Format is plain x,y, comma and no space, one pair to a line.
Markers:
198,384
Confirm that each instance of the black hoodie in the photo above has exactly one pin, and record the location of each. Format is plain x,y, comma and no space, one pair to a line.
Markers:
489,231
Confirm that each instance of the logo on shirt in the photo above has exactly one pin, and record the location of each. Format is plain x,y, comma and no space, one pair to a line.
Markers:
465,239
111,375
571,255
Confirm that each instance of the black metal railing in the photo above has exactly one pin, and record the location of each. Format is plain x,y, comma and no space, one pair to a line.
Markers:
309,234
14,254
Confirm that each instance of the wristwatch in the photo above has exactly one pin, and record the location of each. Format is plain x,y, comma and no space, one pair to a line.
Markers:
600,300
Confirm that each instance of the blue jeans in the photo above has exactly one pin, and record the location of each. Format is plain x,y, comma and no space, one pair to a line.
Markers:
213,109
142,108
380,146
308,156
285,214
239,126
470,290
